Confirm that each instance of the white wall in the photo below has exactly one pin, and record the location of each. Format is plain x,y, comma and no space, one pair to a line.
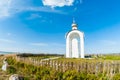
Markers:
75,44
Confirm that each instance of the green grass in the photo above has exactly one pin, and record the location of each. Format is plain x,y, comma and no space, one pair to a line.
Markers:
108,57
31,72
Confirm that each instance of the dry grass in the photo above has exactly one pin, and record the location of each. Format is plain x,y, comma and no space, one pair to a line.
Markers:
27,70
3,74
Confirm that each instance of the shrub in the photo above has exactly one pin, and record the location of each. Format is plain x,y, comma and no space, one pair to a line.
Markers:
81,76
91,77
38,76
10,61
25,78
59,75
116,77
11,70
33,70
70,75
45,71
20,64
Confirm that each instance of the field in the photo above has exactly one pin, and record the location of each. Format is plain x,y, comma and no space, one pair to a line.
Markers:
50,67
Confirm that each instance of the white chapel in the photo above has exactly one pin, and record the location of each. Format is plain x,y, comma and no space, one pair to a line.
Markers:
74,43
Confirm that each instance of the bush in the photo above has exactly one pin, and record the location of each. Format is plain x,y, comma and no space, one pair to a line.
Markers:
20,64
26,78
116,77
91,77
81,76
70,75
11,70
59,75
45,71
10,61
38,76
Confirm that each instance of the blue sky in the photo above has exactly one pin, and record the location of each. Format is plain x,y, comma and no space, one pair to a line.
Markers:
40,26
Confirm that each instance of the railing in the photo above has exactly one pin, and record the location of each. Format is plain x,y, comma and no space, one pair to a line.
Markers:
106,67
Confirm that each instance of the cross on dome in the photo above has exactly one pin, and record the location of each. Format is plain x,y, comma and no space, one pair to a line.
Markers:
74,25
73,20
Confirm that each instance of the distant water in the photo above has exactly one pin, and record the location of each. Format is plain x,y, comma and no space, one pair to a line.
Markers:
5,52
1,53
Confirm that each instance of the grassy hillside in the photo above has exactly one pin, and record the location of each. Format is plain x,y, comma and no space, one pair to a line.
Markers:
32,72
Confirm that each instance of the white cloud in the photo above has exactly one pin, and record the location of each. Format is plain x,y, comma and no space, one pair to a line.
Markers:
58,44
7,41
4,8
41,9
47,44
33,16
58,3
39,44
10,7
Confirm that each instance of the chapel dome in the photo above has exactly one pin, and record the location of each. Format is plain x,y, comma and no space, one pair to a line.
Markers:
74,25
